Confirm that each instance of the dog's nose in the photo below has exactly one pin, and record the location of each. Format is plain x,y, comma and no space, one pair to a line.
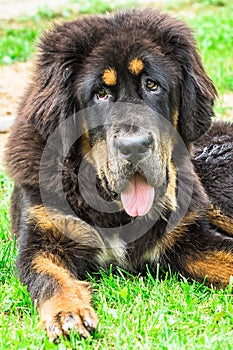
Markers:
134,148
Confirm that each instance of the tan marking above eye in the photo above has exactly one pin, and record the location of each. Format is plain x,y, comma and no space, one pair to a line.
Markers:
136,66
109,76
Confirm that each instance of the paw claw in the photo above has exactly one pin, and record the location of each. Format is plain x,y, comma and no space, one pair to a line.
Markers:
90,324
68,324
83,332
89,319
53,332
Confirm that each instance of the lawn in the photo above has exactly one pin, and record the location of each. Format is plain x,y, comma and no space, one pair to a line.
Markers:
134,312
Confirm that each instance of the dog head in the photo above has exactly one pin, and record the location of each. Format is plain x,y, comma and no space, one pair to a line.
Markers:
141,80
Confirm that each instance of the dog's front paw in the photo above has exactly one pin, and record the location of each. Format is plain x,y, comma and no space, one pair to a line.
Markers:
63,313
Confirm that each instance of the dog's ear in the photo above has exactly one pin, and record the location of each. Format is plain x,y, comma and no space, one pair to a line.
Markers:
197,92
197,95
52,95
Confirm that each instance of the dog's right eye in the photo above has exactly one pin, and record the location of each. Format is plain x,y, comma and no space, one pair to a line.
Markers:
152,85
101,94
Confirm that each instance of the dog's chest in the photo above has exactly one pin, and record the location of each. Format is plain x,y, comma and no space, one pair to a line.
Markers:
118,252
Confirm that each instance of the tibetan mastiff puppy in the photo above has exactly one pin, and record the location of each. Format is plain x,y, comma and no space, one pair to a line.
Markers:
110,164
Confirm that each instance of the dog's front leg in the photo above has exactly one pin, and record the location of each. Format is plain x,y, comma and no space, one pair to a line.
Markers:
55,253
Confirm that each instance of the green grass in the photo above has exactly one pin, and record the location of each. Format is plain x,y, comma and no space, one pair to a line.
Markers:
134,312
214,34
18,37
102,6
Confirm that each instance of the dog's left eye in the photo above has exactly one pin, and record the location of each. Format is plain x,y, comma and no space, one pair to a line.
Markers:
102,94
152,85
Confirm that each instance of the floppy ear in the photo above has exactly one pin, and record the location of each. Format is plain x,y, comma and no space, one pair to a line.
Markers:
51,97
197,95
197,92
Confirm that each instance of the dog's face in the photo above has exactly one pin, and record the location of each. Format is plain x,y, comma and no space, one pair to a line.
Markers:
135,98
140,79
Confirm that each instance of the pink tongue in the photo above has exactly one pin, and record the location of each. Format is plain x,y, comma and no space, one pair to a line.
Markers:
138,197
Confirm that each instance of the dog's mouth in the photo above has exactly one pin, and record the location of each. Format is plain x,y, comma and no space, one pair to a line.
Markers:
138,191
138,196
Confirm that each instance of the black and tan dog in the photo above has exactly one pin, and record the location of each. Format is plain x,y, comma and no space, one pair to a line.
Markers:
107,167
